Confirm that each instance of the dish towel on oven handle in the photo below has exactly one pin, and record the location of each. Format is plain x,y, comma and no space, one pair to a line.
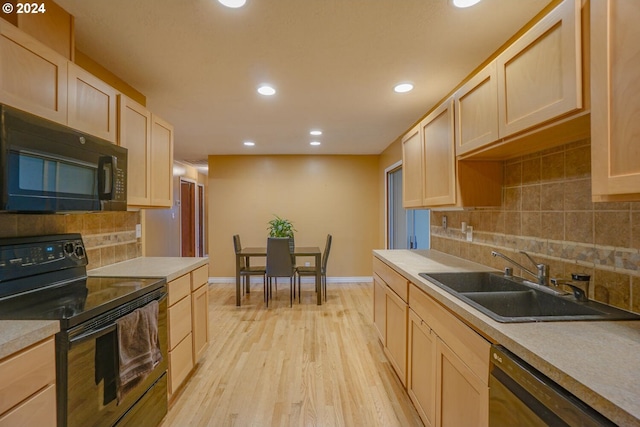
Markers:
138,347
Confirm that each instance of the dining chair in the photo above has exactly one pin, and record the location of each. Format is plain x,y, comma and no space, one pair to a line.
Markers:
246,271
279,263
312,271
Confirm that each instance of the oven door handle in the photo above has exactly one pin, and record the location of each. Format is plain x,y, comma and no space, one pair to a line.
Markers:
91,335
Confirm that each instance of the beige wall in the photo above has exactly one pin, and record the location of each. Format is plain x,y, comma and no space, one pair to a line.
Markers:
319,194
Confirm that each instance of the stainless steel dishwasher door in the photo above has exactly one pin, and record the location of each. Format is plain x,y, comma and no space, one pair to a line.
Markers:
521,396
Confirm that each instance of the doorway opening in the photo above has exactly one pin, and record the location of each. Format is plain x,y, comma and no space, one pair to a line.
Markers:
405,228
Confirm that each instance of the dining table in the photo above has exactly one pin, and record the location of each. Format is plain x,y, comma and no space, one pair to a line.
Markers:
298,251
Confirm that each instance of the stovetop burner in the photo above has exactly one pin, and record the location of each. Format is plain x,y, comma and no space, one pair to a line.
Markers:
44,278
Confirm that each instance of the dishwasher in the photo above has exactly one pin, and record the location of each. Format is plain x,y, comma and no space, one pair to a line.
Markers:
519,395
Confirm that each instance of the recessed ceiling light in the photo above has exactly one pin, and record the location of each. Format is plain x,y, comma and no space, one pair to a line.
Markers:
403,87
465,3
315,132
249,143
266,90
233,3
314,143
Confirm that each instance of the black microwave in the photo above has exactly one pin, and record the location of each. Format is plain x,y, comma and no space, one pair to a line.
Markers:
48,167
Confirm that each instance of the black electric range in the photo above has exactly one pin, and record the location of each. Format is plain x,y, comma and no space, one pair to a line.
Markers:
44,278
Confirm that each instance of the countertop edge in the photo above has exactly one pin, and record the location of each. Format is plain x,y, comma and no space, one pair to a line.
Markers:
169,268
404,262
20,334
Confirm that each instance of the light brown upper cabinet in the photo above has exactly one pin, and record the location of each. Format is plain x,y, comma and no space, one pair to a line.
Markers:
531,96
438,146
615,92
33,77
92,104
412,168
432,176
476,110
161,162
135,135
540,75
149,140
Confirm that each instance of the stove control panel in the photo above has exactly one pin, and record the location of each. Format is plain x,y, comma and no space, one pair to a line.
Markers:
35,255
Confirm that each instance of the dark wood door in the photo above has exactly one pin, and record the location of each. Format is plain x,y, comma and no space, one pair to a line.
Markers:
187,211
200,225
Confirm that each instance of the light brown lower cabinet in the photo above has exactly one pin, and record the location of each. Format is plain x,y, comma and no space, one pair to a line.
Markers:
188,324
397,312
421,378
391,313
380,308
462,398
448,366
28,390
200,311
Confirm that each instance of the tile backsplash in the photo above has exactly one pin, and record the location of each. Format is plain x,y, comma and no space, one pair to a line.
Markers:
109,237
547,211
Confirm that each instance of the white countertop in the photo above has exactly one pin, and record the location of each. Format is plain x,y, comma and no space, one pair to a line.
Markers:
596,361
168,267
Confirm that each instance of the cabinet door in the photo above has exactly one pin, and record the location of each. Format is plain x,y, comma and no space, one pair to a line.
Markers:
379,307
462,398
397,313
161,162
615,94
179,321
421,372
33,77
135,135
476,111
39,410
92,104
200,315
439,162
540,75
180,364
412,169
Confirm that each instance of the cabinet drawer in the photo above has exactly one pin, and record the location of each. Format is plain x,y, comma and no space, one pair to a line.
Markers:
179,321
180,363
395,281
199,277
179,288
39,411
472,349
27,372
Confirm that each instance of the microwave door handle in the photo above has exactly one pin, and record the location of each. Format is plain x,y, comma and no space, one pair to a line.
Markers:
106,171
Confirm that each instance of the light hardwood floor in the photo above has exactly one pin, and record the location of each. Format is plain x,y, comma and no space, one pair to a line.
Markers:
303,366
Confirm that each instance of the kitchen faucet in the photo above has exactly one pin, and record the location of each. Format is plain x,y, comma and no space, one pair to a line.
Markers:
543,269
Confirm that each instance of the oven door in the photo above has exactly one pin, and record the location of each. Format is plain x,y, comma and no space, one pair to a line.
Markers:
87,385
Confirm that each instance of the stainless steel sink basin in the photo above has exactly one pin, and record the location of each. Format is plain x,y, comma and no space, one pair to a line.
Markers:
512,299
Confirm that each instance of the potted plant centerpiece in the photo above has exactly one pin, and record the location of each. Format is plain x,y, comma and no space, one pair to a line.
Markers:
280,227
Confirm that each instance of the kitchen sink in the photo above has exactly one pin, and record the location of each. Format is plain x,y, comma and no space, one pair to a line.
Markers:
512,299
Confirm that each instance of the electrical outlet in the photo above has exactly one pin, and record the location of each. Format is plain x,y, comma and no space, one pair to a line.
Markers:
444,222
138,231
469,233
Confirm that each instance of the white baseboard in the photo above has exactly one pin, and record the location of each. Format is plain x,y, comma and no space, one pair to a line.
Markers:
256,279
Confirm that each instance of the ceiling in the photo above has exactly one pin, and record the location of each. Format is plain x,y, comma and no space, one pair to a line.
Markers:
333,62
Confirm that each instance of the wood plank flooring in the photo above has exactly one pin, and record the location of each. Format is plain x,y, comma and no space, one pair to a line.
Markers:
303,366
